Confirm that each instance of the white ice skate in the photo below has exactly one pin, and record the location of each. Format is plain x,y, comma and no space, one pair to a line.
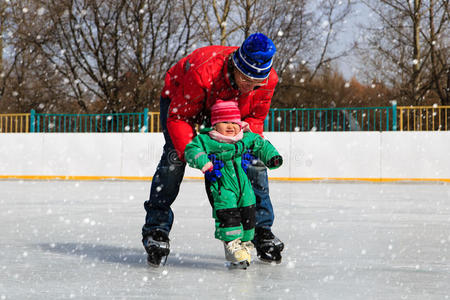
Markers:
237,255
248,246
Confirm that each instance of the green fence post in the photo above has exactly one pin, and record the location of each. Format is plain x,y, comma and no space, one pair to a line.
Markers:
146,119
394,115
32,120
266,123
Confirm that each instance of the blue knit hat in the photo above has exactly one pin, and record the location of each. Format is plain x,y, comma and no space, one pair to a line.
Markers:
254,57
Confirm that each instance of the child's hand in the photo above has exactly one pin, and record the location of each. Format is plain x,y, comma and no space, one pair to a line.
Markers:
207,167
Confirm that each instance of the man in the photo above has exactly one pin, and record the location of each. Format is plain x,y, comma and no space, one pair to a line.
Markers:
192,86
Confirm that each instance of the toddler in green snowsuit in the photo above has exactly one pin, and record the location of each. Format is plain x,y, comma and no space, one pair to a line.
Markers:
218,153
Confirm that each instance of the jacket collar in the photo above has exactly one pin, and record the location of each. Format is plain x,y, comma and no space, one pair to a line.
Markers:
228,72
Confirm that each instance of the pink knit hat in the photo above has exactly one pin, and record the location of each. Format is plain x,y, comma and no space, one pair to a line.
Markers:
225,111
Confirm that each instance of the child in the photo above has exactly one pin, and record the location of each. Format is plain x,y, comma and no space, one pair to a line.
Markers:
218,153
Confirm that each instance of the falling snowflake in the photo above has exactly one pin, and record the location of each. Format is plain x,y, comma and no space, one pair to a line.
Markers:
41,11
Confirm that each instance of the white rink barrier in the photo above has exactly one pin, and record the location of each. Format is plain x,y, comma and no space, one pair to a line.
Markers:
371,156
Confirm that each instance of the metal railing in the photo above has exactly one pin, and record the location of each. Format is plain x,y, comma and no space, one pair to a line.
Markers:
404,118
116,122
14,123
332,119
424,118
154,122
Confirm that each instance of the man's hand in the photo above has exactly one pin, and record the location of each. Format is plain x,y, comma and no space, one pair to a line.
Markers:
213,167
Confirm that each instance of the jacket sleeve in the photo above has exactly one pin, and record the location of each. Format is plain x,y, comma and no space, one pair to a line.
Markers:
195,154
266,152
186,103
258,115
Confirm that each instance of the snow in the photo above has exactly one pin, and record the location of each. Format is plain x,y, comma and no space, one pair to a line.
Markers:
81,240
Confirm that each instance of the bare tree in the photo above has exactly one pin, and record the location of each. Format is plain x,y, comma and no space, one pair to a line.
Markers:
213,17
409,50
27,81
6,31
112,56
333,14
303,31
440,69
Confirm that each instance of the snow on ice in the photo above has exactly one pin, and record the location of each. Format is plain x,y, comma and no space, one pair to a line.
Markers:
80,240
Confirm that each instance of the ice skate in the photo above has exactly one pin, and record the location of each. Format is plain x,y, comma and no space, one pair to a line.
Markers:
248,246
268,246
157,247
236,255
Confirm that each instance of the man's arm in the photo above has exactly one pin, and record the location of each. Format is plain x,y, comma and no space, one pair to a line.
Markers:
261,104
257,116
186,103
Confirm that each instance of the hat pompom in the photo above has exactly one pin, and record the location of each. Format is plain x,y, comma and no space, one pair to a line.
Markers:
259,47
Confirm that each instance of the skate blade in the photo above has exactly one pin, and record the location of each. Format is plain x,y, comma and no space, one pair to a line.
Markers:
153,265
269,262
243,265
162,262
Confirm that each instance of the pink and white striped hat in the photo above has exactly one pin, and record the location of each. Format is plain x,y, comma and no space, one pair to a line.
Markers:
225,111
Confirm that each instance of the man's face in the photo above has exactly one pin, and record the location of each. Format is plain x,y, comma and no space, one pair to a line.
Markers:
246,84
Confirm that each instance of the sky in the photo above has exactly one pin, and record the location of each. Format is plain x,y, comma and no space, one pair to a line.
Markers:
351,31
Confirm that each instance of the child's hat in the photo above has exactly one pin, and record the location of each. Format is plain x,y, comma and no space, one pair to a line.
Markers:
254,57
225,111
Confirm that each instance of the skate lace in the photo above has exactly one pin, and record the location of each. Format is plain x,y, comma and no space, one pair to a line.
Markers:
248,246
234,246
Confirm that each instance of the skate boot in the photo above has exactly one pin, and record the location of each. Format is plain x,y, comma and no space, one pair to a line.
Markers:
248,246
158,248
236,255
268,246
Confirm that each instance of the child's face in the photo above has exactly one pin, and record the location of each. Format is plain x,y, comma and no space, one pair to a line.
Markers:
227,128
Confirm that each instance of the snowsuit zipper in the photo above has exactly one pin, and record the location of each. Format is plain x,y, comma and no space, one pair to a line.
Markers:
236,151
237,176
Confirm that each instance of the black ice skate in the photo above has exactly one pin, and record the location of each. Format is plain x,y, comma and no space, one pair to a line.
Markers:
157,247
268,246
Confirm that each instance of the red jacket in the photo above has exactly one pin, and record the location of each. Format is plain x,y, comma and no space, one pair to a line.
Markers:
197,81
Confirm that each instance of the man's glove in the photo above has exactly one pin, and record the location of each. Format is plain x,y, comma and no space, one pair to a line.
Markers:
247,159
213,173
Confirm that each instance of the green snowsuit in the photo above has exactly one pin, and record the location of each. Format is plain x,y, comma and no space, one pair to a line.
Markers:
232,194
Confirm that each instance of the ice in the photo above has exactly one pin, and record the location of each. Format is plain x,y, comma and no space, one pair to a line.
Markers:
343,241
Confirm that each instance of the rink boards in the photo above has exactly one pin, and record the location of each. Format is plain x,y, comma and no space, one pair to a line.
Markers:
367,156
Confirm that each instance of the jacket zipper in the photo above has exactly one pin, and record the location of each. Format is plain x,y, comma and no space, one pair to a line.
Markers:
237,176
237,171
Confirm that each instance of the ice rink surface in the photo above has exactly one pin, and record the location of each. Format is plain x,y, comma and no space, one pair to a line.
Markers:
81,240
